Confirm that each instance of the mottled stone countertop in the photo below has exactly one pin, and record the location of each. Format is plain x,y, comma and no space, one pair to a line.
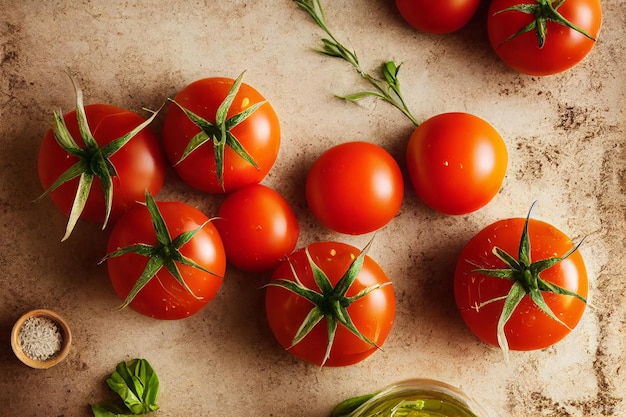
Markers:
565,135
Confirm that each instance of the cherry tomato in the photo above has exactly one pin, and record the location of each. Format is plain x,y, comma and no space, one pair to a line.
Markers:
456,162
354,188
258,228
563,47
256,137
139,165
372,314
163,296
437,16
529,326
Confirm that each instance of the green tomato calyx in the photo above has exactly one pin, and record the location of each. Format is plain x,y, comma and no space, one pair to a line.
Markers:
526,279
220,131
387,90
93,160
544,11
165,254
331,302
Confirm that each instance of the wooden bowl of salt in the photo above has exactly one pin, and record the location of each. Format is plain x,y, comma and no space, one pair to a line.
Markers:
41,339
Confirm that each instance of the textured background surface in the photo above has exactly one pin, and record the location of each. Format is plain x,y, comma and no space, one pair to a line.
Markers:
565,136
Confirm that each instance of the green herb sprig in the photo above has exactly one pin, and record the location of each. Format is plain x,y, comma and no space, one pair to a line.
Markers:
387,89
137,386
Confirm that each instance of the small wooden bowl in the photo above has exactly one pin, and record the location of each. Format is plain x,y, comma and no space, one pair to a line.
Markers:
65,343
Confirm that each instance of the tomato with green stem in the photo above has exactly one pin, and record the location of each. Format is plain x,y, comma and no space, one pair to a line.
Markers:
437,16
524,302
454,169
354,188
221,134
258,228
330,304
96,162
543,37
165,260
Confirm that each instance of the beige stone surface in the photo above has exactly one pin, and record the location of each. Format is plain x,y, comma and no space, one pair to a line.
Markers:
565,136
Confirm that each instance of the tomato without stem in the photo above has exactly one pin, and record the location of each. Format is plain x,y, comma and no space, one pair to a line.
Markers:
456,162
163,296
139,164
219,160
370,302
437,16
258,228
563,46
479,294
354,188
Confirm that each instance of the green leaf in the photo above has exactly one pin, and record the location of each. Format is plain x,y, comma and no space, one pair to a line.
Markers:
319,276
346,281
514,297
160,228
354,97
136,384
314,316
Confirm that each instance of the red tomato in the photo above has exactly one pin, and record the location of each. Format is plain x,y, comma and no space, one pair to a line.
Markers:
354,188
456,162
258,228
372,314
163,297
140,164
529,327
258,134
563,46
437,16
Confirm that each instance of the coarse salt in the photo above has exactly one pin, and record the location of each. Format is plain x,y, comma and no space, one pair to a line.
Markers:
40,338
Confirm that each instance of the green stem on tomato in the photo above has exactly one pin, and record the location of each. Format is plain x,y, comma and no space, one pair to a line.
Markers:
93,161
526,279
166,253
387,89
544,11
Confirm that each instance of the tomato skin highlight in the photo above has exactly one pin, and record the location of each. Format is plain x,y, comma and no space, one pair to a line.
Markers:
259,134
456,162
354,188
163,297
437,16
564,47
258,228
140,164
529,328
373,315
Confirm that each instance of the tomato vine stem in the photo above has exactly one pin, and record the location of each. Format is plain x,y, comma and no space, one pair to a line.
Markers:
387,90
543,11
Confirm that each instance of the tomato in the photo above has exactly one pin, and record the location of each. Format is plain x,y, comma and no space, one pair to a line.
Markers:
221,161
139,164
549,263
561,48
437,16
456,162
354,188
344,272
258,228
143,265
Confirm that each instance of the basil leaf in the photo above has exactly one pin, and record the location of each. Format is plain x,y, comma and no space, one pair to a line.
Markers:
137,385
